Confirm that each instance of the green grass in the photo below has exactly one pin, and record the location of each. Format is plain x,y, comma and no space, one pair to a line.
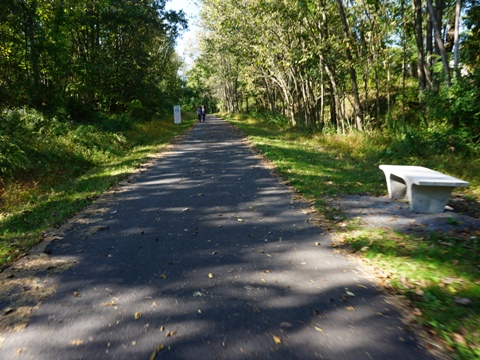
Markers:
432,270
68,173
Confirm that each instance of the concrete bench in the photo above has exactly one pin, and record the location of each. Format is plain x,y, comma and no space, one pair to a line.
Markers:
427,190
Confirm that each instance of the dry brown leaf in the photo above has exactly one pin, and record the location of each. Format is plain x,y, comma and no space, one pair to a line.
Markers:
170,333
266,271
277,339
76,342
155,353
112,302
76,294
417,312
459,339
350,308
137,315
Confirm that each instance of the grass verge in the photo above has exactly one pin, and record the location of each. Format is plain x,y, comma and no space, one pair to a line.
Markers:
437,274
69,171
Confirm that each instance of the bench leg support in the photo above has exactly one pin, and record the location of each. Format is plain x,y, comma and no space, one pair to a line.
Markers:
422,199
428,199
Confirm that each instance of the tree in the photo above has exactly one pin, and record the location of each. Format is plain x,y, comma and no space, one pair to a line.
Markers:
86,55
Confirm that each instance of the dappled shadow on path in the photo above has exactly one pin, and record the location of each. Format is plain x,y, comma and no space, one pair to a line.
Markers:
208,255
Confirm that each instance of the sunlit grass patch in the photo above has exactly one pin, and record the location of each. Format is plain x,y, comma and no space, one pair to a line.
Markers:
439,274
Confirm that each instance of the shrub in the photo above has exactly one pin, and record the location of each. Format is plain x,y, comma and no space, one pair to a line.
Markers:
12,157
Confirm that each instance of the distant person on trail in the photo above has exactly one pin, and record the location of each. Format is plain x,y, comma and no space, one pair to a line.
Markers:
204,112
199,114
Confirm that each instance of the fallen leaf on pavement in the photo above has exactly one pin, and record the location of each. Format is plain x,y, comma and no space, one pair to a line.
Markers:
76,342
137,315
277,339
112,302
350,308
170,333
155,353
210,275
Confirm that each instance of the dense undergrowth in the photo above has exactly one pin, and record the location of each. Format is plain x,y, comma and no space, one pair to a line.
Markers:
439,274
51,168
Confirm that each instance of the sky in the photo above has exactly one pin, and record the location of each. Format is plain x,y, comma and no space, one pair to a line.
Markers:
186,43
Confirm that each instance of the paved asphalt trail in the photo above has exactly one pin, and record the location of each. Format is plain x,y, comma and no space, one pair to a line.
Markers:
145,252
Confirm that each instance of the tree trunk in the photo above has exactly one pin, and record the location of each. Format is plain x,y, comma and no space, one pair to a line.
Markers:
431,83
353,74
439,40
458,8
422,79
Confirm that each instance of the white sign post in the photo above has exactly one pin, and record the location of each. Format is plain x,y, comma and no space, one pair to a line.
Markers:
177,114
